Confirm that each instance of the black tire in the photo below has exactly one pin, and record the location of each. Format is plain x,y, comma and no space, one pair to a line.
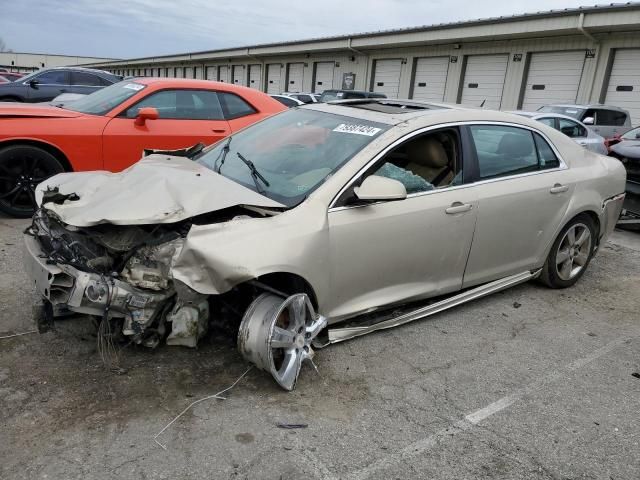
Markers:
22,167
559,272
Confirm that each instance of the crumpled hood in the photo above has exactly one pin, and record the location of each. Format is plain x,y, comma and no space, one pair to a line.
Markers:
35,110
157,189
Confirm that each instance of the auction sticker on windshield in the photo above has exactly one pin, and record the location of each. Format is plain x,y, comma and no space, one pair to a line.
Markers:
133,86
357,129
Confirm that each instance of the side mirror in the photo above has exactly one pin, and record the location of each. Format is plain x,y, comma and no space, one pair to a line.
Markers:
375,188
146,113
588,121
34,83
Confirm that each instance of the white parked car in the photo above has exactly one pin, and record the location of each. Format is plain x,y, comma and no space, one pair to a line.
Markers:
320,224
572,128
304,97
287,101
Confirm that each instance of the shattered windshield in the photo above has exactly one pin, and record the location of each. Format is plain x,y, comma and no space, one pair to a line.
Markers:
105,99
289,155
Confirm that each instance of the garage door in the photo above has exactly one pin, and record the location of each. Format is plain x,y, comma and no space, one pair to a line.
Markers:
296,75
255,72
324,76
386,78
212,73
274,72
199,73
484,80
430,79
238,74
554,77
224,74
624,83
188,72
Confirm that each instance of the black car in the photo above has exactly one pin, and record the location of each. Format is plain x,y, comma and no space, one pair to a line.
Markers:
330,95
628,152
44,85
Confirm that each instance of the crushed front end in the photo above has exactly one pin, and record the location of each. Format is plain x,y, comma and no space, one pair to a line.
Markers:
118,273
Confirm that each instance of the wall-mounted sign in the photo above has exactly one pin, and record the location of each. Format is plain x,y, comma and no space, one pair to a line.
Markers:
348,81
453,59
590,53
517,57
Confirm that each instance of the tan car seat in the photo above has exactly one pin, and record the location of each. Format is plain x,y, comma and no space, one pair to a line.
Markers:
428,158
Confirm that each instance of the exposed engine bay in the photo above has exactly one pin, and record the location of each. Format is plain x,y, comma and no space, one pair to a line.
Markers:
122,274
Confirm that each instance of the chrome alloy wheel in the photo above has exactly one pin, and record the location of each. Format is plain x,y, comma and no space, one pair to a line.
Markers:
573,251
276,335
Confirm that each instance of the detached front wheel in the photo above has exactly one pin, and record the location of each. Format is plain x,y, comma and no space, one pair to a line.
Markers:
276,335
570,254
22,168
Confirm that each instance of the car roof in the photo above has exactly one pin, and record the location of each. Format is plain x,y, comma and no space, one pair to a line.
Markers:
534,115
586,105
80,69
428,114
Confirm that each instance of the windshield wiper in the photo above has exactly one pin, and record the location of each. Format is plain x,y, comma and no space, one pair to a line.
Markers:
254,173
222,156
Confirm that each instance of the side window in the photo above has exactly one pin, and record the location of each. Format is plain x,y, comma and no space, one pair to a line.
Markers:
571,129
424,163
287,102
610,117
54,77
234,106
548,121
85,79
181,105
547,159
504,151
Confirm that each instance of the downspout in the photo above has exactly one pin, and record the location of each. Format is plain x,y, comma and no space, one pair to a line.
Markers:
584,32
366,69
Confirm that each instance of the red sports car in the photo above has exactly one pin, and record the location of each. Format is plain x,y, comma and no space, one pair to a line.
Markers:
109,129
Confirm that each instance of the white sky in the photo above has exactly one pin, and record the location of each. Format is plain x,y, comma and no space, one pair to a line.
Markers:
134,28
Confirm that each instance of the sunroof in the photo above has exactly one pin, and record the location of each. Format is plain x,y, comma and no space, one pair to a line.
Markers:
389,106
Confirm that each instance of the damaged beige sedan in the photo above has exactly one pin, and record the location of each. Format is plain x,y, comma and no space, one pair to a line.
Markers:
320,224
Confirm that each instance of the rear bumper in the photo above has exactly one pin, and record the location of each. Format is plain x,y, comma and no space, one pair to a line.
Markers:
69,289
611,209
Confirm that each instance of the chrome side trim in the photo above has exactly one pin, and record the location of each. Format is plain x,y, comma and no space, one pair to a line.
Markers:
370,163
341,334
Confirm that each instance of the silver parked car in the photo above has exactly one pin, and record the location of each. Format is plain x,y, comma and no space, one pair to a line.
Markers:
572,128
605,120
320,224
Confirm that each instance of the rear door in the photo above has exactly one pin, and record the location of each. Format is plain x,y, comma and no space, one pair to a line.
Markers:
86,83
187,117
523,191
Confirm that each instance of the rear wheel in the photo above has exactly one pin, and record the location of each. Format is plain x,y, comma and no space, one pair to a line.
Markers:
570,254
22,168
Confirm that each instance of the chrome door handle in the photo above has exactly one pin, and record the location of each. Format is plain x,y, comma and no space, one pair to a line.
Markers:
458,207
557,188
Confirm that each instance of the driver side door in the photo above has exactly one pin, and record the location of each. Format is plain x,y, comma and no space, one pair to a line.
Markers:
186,117
398,251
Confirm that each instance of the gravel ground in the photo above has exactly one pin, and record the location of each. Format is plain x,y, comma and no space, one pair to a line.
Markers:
527,383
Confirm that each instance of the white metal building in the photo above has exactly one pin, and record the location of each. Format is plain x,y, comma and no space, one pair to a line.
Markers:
28,62
583,55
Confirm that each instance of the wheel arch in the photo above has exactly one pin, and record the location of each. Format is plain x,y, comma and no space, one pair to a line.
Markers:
46,146
289,283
